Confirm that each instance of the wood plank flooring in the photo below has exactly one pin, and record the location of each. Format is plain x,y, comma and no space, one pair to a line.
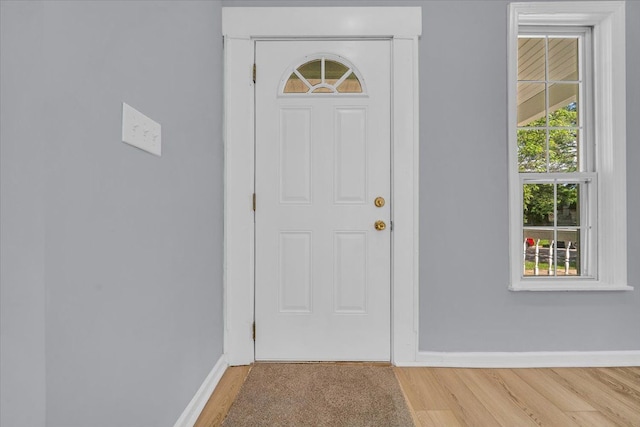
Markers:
223,396
447,397
596,397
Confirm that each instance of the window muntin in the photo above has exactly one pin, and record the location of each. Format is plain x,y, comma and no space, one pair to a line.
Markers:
323,74
556,173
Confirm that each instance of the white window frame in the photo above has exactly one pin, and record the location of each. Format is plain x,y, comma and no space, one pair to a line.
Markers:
241,27
609,132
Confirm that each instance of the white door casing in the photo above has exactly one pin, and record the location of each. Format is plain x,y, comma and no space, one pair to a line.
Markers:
322,275
241,28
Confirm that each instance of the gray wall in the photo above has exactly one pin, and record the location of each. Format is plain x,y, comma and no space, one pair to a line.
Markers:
469,308
22,216
464,301
125,247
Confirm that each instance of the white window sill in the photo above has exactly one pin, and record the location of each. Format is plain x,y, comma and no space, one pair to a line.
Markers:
562,285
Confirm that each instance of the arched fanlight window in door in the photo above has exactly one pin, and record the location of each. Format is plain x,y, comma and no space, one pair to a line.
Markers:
323,74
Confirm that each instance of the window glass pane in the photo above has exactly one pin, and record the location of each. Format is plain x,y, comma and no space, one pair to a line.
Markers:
568,205
322,90
312,71
532,150
563,59
538,258
295,85
531,55
563,104
538,204
568,253
350,85
563,150
531,104
333,71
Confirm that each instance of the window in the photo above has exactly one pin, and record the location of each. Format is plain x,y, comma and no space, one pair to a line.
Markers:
566,152
557,172
324,74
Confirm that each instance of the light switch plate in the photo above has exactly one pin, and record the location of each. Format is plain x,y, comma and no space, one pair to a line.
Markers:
140,131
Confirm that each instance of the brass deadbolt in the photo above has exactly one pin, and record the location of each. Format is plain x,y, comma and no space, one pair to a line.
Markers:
379,202
380,225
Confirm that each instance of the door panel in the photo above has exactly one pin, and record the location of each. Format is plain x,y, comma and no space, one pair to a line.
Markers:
295,271
295,155
350,271
322,288
350,161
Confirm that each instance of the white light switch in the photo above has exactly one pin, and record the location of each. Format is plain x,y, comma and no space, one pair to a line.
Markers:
140,131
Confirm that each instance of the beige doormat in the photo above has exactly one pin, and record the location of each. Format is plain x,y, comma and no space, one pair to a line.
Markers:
336,395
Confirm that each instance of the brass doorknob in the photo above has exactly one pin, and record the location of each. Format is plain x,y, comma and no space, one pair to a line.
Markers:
380,225
379,202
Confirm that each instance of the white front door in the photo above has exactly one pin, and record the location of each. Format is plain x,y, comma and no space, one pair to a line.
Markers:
322,277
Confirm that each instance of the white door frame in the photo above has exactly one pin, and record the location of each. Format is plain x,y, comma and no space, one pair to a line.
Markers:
241,26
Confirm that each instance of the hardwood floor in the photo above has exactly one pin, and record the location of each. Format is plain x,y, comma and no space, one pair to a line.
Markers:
447,397
223,396
596,397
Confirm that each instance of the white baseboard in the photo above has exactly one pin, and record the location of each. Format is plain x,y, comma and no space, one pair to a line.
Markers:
537,359
194,408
